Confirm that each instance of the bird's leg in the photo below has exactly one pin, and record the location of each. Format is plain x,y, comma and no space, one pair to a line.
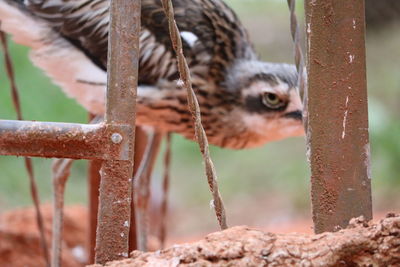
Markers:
165,190
141,186
61,170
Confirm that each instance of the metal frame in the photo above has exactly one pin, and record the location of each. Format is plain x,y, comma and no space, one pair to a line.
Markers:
116,181
338,113
112,141
64,140
338,123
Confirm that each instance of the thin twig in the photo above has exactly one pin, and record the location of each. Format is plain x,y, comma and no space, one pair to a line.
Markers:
28,162
298,58
61,172
195,111
165,191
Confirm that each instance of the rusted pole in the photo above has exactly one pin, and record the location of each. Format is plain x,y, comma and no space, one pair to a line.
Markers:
94,167
93,188
338,114
93,185
116,181
50,139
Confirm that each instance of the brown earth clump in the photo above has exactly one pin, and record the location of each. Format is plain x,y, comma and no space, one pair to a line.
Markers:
362,244
20,242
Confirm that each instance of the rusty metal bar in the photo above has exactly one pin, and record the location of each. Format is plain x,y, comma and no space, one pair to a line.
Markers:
94,167
62,140
338,113
47,139
93,188
116,175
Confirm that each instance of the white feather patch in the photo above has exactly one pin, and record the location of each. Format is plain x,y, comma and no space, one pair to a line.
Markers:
189,37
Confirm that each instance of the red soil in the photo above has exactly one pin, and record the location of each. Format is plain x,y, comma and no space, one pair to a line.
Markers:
20,243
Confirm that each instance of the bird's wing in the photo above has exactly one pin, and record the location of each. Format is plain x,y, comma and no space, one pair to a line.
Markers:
213,36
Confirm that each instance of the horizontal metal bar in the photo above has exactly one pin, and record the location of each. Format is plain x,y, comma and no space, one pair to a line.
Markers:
64,140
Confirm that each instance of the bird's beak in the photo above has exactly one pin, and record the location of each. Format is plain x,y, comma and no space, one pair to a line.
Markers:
296,115
294,110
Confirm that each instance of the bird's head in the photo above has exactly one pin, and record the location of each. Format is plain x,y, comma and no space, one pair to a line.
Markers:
270,106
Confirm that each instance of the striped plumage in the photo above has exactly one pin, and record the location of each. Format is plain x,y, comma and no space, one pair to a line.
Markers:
244,102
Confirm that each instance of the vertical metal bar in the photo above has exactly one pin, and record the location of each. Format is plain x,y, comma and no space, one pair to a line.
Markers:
93,187
338,113
94,167
116,182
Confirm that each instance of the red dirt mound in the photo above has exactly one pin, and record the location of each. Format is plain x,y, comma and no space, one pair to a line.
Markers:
361,244
20,243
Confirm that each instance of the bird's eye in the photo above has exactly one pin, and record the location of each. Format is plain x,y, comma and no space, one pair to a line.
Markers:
272,101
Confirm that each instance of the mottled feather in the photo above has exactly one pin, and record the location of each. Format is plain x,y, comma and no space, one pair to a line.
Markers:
221,37
69,42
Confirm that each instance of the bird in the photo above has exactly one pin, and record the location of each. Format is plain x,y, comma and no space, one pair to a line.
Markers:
245,102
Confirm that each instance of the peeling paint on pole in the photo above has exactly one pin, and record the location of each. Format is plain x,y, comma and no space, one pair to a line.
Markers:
338,113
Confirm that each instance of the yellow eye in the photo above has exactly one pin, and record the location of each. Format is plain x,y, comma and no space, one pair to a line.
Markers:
272,101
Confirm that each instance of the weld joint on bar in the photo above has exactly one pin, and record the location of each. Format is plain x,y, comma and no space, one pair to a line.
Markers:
120,141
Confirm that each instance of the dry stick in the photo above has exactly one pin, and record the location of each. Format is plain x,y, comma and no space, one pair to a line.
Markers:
298,58
28,161
195,111
165,190
61,171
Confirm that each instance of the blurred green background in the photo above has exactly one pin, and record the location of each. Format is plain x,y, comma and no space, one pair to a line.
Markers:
261,187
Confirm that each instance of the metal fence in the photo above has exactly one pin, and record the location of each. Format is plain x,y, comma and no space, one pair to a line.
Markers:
337,124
